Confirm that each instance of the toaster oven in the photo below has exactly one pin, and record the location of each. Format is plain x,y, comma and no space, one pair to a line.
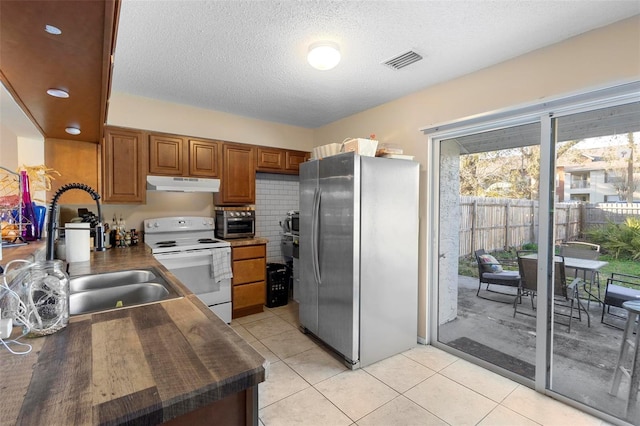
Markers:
235,222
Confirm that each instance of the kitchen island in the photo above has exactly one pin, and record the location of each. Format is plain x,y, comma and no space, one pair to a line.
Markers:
173,361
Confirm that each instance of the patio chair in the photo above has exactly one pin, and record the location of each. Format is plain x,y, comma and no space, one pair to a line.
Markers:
620,288
583,250
491,272
562,292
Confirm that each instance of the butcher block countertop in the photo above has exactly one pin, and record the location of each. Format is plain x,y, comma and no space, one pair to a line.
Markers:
241,242
143,365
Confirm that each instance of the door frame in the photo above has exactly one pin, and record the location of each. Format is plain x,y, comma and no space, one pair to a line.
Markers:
544,112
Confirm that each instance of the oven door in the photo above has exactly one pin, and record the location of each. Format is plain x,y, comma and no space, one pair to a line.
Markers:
194,269
235,227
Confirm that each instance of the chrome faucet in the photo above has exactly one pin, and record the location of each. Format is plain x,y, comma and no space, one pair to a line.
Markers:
53,213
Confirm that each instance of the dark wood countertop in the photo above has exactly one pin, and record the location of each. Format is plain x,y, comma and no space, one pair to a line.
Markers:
145,364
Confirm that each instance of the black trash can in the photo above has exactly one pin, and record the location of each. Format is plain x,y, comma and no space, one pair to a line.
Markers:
277,285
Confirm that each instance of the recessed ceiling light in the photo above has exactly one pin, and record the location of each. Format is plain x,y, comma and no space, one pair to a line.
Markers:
324,55
72,130
58,93
52,29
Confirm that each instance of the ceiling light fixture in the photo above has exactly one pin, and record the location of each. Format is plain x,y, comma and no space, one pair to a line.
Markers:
52,29
324,55
72,130
58,93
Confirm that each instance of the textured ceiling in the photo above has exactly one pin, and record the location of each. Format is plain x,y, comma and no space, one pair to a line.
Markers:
249,57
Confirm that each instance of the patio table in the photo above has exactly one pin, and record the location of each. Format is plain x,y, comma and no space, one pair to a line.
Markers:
587,265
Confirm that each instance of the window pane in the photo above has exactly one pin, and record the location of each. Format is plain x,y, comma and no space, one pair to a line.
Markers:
489,185
598,167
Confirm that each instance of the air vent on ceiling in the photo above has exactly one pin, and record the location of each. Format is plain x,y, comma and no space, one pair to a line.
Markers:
403,60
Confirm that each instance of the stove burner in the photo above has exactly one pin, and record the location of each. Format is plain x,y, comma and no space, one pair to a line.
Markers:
206,240
173,243
166,245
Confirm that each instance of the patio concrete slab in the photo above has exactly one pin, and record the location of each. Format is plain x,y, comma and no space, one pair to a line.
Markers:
583,359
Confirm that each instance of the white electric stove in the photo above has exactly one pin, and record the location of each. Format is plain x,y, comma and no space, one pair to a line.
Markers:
187,247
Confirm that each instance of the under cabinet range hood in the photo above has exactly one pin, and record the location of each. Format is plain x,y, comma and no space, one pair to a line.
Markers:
182,184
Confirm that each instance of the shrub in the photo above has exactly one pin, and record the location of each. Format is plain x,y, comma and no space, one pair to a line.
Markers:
619,240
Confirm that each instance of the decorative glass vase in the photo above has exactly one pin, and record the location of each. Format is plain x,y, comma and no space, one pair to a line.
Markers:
45,293
29,221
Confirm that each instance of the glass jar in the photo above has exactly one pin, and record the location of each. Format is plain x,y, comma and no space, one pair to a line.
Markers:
45,294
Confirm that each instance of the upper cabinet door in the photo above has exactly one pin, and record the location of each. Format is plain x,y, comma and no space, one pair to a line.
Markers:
166,155
204,158
123,171
270,159
238,181
294,158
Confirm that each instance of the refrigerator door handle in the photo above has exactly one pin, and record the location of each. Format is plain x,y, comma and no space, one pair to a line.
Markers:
315,226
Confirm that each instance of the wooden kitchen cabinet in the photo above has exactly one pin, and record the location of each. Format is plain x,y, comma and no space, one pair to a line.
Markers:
249,265
204,158
124,154
238,179
166,155
172,155
270,159
276,160
293,160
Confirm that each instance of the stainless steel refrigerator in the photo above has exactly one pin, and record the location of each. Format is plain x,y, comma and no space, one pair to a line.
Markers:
358,288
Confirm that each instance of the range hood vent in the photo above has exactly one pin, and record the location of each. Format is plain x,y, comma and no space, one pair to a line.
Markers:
182,184
403,60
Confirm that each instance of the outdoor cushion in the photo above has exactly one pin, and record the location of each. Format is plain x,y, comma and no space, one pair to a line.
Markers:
510,277
490,263
616,295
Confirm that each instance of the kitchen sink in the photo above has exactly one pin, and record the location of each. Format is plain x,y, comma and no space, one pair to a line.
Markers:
110,279
114,290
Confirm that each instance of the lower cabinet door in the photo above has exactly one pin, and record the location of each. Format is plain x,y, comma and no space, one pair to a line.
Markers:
246,295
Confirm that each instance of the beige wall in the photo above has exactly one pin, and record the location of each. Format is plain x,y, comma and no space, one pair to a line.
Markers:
8,148
601,57
150,114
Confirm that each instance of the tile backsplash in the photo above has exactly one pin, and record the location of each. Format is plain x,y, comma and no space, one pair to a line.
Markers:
275,196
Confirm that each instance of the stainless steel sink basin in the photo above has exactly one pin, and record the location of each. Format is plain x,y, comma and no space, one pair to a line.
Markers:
116,297
113,290
110,279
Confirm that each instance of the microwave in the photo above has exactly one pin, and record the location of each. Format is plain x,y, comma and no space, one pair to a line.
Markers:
235,222
293,222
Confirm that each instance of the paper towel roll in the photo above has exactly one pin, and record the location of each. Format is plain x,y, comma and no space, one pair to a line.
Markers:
77,242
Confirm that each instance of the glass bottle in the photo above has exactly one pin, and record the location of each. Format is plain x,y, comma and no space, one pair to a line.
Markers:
45,293
29,221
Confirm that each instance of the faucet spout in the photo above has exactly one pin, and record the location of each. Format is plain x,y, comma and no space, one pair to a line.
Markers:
53,213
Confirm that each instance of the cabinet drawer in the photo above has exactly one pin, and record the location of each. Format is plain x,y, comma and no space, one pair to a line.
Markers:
249,295
249,252
249,270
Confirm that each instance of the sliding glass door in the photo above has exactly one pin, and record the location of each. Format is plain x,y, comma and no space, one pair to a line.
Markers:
535,245
598,173
488,209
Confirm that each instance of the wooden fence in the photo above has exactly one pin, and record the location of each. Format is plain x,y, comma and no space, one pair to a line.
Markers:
500,223
603,213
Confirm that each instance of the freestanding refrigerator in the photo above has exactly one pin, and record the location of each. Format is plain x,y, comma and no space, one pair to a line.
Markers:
358,289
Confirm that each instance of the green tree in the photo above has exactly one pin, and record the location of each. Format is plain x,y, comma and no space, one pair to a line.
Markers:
624,170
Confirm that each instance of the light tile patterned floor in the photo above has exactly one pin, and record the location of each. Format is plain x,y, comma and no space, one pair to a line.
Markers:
307,385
